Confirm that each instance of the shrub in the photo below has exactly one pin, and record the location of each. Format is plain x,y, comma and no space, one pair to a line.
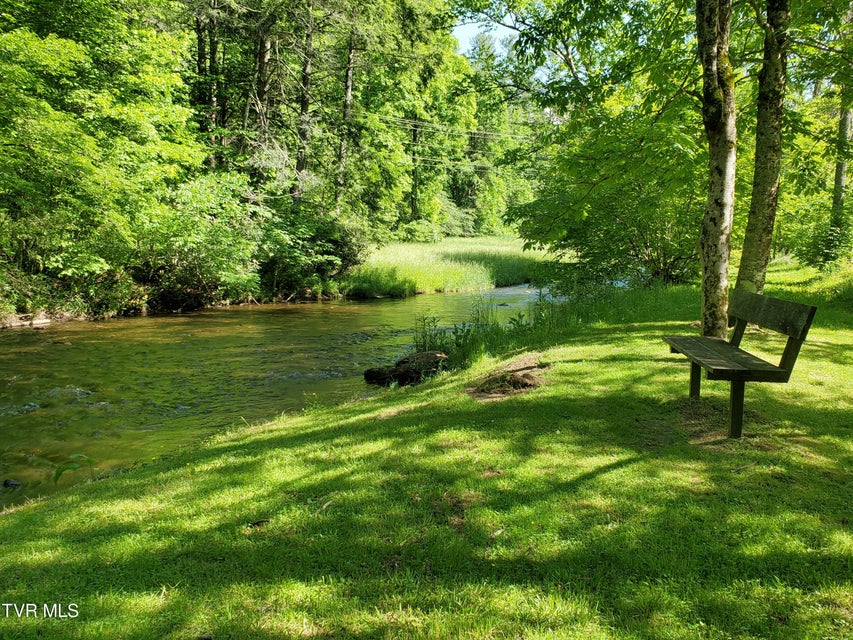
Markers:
199,248
303,252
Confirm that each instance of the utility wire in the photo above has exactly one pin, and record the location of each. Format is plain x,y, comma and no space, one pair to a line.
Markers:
483,152
408,123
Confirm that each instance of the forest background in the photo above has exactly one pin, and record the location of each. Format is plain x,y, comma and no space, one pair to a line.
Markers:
172,154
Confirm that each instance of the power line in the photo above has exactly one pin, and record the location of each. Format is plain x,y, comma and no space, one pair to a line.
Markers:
408,123
484,152
479,168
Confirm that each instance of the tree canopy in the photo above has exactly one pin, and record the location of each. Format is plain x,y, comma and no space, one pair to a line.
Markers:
175,154
633,189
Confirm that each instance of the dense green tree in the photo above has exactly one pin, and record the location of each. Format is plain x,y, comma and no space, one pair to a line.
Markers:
592,55
183,152
814,169
619,149
839,232
95,135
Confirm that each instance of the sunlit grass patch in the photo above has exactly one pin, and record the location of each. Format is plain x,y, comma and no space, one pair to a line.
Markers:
453,264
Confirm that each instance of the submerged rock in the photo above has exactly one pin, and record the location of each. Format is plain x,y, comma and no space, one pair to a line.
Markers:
409,370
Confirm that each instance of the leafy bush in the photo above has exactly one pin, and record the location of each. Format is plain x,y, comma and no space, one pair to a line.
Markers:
108,293
21,292
821,246
302,252
631,213
420,231
200,249
456,221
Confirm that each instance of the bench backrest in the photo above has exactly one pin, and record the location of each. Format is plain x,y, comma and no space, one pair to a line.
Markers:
792,319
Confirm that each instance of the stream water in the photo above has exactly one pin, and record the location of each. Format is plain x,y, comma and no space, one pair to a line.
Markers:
122,392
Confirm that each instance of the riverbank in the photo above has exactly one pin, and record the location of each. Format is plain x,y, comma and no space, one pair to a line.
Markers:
399,270
36,320
600,504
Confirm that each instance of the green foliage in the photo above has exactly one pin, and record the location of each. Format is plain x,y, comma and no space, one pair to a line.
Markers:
153,155
375,281
453,264
632,213
836,285
619,158
199,247
95,142
466,343
805,201
485,334
302,252
24,293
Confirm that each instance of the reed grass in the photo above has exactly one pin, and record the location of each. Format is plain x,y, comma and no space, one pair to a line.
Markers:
454,264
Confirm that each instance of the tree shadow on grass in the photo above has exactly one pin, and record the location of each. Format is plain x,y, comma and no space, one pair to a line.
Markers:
580,505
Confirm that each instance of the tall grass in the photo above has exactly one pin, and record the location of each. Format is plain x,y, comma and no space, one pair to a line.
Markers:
550,320
584,304
454,264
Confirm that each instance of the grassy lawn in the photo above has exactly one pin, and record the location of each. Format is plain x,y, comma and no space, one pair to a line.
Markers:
454,264
602,504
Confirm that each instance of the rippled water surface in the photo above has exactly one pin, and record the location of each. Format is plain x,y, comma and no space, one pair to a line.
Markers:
125,391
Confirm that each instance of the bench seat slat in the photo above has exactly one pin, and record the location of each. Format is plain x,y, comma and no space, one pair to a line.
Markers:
723,361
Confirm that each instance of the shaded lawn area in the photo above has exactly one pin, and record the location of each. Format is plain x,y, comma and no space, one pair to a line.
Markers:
603,504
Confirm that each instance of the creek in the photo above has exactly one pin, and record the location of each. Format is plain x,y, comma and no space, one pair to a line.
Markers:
124,392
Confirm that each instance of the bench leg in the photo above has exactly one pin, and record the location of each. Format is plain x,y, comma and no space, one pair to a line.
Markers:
695,379
736,408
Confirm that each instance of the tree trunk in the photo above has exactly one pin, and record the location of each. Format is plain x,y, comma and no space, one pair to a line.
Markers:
340,180
213,87
414,196
713,26
257,93
768,148
201,97
213,68
303,126
264,57
838,223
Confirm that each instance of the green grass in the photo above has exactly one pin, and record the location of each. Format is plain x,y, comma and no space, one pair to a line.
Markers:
454,264
603,504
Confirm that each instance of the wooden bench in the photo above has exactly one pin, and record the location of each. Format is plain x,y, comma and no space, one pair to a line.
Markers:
725,360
